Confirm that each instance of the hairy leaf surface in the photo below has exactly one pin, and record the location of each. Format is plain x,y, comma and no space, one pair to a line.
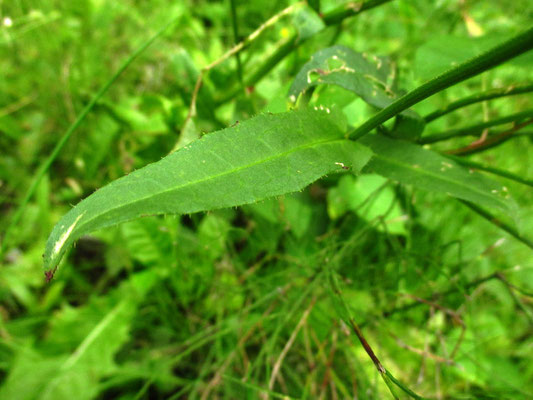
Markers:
265,156
425,169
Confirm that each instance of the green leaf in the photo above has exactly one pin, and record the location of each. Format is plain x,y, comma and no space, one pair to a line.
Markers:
93,357
307,22
411,164
444,52
97,330
148,241
29,373
340,65
367,196
363,75
266,156
298,214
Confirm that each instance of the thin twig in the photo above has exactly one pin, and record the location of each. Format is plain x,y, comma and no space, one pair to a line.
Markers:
520,290
288,345
455,316
511,289
384,373
486,143
478,128
415,304
220,372
424,353
234,50
14,107
479,97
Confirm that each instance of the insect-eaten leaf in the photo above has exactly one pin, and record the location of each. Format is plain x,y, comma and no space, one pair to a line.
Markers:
265,156
366,76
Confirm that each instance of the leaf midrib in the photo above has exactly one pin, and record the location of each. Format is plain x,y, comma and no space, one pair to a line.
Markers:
228,172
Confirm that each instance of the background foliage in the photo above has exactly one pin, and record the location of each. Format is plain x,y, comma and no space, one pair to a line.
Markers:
236,303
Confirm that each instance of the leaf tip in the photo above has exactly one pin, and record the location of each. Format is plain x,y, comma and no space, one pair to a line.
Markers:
55,249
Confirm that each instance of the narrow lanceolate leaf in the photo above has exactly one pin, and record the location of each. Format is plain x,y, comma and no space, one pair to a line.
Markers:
425,169
266,156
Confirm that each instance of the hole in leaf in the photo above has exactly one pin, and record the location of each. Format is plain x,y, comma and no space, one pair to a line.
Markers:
336,63
314,75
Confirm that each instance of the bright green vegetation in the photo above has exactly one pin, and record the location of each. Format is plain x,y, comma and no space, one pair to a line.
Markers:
337,207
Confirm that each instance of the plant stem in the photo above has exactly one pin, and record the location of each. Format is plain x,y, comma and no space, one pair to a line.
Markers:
476,129
402,386
499,223
350,9
234,51
495,171
350,320
512,48
477,98
490,142
234,24
286,48
66,136
272,61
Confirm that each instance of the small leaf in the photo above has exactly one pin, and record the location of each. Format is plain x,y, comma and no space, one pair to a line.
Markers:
307,22
330,64
188,134
363,75
411,164
265,156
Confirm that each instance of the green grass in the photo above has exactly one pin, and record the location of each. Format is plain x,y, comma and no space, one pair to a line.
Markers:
239,302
